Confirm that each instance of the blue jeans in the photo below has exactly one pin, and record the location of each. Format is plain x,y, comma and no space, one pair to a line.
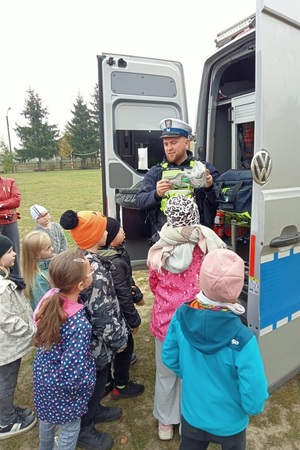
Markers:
67,438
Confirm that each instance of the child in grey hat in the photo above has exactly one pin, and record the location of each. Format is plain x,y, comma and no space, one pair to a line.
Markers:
174,268
217,358
55,232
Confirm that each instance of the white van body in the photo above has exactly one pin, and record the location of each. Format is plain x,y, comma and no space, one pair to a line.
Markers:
254,77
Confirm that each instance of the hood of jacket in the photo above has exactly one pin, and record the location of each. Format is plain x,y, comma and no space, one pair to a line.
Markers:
206,330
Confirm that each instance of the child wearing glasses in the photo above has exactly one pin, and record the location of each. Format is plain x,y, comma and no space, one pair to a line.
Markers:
43,223
64,368
37,252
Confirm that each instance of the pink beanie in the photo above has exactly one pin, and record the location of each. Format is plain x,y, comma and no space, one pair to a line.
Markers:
222,275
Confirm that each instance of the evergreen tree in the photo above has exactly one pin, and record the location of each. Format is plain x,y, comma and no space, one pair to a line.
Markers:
95,113
6,158
82,135
38,139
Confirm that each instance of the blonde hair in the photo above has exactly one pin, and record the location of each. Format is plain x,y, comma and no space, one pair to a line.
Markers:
32,245
66,270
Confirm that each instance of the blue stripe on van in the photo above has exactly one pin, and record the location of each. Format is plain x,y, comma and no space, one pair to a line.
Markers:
280,290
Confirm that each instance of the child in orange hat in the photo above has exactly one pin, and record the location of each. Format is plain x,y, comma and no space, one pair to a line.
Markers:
109,331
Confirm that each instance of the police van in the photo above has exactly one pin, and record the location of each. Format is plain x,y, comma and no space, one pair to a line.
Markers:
248,119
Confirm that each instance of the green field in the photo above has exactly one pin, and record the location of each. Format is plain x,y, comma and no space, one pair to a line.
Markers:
58,191
277,428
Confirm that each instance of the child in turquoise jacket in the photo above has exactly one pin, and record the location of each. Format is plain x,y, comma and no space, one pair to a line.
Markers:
217,358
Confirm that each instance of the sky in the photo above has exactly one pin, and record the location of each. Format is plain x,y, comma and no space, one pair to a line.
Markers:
52,47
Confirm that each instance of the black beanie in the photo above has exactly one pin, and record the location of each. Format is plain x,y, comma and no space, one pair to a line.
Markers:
5,245
112,229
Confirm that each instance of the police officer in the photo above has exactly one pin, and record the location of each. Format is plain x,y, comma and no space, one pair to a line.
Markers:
176,140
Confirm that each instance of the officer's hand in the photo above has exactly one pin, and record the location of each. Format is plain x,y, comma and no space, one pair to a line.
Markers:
162,186
209,179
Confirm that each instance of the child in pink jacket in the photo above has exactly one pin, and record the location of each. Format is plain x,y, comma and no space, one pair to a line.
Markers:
174,267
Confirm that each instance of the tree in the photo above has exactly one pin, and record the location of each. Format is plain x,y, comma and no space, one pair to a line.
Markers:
65,149
82,135
95,113
6,158
38,139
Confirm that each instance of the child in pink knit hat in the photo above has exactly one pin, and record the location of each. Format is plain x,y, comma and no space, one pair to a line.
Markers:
217,358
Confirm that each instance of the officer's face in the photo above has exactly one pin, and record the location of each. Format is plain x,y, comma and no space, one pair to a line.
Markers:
175,149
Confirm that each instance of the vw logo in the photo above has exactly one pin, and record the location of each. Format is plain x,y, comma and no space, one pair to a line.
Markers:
261,166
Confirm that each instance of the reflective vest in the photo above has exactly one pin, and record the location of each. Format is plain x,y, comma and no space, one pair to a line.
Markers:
170,173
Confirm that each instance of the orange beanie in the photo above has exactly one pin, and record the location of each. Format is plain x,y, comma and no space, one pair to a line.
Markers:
90,228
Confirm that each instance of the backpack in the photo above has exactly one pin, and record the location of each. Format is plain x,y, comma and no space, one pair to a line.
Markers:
234,191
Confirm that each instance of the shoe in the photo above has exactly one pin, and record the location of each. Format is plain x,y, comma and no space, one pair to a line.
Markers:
107,414
165,432
92,439
23,412
133,359
130,390
18,426
108,388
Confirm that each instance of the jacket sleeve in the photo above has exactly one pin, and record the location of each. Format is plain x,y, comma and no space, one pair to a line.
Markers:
14,200
210,192
121,278
12,323
252,379
42,285
147,198
152,280
105,317
170,349
63,245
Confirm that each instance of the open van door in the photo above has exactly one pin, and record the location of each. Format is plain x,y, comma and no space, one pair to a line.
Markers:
253,79
135,95
274,281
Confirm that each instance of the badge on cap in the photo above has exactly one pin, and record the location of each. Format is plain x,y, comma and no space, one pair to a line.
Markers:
175,128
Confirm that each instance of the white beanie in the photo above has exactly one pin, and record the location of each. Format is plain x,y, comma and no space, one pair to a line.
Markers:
36,211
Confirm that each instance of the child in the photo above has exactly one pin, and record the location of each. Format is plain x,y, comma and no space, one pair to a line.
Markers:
43,220
64,367
37,252
121,272
109,332
217,358
174,267
16,333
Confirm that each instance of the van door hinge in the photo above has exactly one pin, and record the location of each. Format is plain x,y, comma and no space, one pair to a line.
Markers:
230,115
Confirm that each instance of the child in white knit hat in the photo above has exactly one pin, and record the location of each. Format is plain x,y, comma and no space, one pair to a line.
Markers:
217,358
55,232
174,267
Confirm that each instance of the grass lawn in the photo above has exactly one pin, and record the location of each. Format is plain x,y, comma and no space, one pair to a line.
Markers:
277,428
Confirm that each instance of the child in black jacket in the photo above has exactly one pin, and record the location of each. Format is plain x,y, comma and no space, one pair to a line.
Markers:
128,294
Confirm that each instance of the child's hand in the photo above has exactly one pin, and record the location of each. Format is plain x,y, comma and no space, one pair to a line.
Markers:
120,350
134,330
141,303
